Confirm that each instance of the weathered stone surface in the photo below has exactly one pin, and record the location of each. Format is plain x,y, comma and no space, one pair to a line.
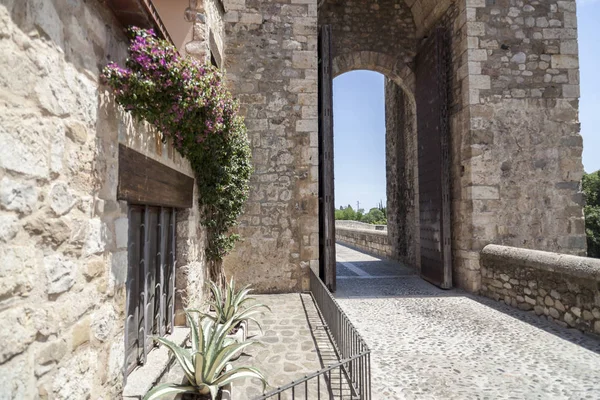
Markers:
8,227
16,333
18,272
18,196
60,273
61,201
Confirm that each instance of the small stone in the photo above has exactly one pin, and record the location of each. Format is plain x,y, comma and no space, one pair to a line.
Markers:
559,306
60,274
18,195
80,333
539,310
94,268
597,326
52,352
514,281
555,294
596,313
519,58
520,299
587,315
569,319
530,300
8,227
576,311
16,332
554,313
507,286
543,292
525,306
76,131
504,277
548,301
61,200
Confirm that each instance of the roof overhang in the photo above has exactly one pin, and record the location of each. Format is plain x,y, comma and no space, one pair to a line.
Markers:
140,13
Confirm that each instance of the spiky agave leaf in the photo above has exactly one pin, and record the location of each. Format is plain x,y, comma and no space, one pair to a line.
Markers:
194,338
168,388
182,356
223,357
239,373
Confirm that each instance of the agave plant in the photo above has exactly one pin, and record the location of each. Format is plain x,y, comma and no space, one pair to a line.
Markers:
232,306
205,363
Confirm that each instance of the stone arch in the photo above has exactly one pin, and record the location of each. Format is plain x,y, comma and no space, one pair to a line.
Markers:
401,148
393,69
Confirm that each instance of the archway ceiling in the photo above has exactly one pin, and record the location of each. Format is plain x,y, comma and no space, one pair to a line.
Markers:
427,12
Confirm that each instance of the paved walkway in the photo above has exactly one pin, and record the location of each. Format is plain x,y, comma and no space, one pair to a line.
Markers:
433,344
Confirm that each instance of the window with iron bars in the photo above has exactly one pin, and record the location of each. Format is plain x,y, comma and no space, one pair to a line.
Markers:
150,280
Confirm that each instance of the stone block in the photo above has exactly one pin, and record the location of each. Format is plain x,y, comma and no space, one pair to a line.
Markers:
20,196
560,61
60,273
17,332
9,226
61,200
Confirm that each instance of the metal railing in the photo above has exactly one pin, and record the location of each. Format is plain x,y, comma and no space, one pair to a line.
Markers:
349,378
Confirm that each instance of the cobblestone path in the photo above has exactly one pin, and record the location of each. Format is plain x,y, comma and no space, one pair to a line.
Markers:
433,344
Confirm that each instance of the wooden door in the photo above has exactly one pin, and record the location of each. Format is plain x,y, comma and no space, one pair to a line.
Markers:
326,185
433,134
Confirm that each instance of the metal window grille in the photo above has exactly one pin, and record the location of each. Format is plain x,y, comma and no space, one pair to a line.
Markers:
150,280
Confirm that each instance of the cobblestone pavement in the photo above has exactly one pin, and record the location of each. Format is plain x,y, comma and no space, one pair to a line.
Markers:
432,344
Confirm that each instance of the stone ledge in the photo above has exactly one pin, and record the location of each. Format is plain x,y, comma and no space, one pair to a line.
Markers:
363,231
580,267
143,378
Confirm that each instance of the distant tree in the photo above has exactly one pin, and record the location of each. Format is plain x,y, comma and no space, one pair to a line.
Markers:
591,188
345,214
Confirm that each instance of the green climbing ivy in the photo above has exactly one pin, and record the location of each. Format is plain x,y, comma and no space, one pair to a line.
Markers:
188,102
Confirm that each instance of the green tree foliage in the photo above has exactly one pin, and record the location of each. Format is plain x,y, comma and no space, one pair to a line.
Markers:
591,188
375,216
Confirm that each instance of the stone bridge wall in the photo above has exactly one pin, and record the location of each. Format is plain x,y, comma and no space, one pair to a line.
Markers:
562,287
370,241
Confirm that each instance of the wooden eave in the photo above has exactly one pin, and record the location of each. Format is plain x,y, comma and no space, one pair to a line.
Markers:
141,13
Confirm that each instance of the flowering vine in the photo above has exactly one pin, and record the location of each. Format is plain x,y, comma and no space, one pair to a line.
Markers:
188,102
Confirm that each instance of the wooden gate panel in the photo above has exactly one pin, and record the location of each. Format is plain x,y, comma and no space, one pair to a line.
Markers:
327,268
432,83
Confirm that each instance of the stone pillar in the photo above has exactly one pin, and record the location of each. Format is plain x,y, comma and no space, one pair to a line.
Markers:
522,149
271,52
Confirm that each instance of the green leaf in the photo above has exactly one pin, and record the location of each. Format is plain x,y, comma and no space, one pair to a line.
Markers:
240,373
182,356
168,388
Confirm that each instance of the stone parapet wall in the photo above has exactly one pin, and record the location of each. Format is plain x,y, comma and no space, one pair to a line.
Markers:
359,225
564,288
370,241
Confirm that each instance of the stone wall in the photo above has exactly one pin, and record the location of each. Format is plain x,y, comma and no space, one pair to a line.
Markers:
271,53
63,234
369,241
401,170
523,148
563,288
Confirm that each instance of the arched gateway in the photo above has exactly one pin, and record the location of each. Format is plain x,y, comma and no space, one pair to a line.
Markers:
477,127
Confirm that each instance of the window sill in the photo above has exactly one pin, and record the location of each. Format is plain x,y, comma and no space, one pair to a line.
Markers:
144,377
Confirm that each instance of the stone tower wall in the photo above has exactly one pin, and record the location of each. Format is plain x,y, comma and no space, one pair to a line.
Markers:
523,142
271,53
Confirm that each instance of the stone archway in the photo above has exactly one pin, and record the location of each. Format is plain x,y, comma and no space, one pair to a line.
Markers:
402,185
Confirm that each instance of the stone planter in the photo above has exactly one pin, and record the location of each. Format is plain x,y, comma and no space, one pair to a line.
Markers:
225,393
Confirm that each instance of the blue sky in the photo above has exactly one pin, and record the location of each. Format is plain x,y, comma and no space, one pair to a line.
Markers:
359,120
